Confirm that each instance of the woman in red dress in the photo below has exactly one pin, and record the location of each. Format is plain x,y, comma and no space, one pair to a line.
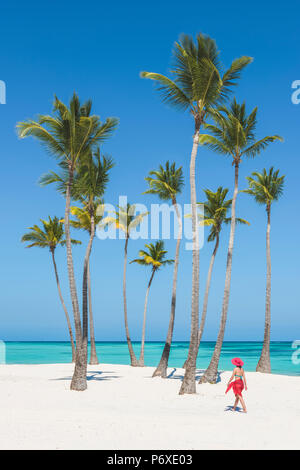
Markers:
238,382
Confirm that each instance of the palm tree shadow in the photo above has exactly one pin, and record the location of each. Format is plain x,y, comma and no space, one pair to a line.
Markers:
94,375
98,375
199,374
170,376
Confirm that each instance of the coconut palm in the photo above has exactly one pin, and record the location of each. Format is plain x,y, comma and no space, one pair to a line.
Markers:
215,215
232,134
167,182
154,257
89,185
70,134
50,236
125,220
197,84
83,222
266,187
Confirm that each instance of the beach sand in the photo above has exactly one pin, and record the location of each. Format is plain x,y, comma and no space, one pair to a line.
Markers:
124,408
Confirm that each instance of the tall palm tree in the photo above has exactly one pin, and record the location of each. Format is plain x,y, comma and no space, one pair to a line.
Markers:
215,210
197,85
232,134
83,222
70,134
50,236
167,182
266,187
126,220
89,185
154,257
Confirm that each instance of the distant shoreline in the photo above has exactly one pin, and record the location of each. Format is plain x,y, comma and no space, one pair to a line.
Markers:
148,342
116,352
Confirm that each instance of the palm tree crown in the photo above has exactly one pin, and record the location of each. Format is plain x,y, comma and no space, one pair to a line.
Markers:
49,236
198,78
266,187
124,219
83,217
233,133
215,211
71,132
166,182
154,257
90,179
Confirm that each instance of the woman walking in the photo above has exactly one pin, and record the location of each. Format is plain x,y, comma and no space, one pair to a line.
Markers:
238,382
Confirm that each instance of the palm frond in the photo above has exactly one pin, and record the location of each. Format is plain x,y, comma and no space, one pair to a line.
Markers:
265,187
260,145
154,257
233,74
169,91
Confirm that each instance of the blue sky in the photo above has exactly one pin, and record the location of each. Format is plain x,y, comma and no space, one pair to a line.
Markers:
99,51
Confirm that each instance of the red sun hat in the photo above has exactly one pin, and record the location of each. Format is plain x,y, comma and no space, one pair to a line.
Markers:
236,361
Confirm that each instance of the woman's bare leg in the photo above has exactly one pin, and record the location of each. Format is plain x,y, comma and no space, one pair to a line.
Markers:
235,403
243,404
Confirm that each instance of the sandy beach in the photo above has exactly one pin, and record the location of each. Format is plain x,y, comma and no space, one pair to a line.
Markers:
124,408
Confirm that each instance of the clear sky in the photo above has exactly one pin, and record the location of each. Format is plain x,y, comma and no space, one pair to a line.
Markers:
98,50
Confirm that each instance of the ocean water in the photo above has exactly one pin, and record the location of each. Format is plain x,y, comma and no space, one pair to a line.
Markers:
117,353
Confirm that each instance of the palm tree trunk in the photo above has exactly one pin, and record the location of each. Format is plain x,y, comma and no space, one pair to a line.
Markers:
133,359
161,369
211,373
207,289
85,296
264,364
188,384
93,358
78,382
63,306
141,358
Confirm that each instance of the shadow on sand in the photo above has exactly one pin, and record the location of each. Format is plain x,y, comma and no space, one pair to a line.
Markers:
94,375
230,408
199,374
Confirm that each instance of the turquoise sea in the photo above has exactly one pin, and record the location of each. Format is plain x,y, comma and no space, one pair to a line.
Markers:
117,353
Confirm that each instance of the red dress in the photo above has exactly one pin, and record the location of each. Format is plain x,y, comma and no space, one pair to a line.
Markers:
237,386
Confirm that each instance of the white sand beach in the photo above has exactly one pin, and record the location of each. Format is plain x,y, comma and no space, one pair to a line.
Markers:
124,408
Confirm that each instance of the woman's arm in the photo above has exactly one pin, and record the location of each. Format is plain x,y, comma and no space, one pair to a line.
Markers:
245,382
231,378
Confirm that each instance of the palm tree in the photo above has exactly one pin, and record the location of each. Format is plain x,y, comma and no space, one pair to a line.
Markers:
70,134
232,134
50,236
89,185
154,257
125,219
198,85
166,183
215,210
83,222
266,187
